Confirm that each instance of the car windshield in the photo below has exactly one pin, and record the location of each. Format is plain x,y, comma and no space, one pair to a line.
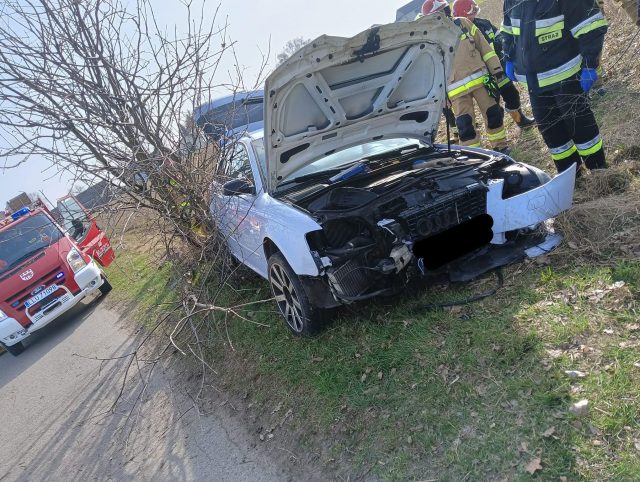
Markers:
24,239
342,158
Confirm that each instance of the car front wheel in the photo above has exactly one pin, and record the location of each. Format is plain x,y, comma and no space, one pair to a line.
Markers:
106,287
16,349
302,318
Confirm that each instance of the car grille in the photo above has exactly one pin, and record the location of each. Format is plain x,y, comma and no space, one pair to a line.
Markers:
49,300
25,293
52,306
349,280
446,212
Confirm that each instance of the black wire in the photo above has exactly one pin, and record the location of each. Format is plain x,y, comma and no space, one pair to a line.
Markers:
446,101
467,301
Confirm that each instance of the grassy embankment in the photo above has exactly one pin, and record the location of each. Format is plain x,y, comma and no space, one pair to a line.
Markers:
480,392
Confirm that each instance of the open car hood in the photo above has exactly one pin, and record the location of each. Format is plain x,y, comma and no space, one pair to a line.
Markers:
386,82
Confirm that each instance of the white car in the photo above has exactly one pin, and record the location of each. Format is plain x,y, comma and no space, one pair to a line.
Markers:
344,196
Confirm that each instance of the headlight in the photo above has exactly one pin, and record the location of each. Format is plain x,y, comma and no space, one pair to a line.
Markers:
75,260
3,315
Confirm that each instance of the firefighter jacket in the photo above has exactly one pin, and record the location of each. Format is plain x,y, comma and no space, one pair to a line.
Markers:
550,41
491,33
475,61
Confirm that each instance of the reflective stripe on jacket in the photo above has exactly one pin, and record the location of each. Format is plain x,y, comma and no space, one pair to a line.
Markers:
550,41
490,33
475,59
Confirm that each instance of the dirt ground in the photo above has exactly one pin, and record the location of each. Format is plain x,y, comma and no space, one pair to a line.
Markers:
56,402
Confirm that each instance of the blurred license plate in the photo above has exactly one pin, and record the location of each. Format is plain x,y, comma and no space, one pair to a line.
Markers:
41,296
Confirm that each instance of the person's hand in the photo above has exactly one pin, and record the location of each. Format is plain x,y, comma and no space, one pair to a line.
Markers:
588,78
510,70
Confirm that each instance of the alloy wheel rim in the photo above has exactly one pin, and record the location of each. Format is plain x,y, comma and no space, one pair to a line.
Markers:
286,297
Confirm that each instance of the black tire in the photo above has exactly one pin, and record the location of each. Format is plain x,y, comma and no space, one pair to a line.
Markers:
16,349
106,287
302,318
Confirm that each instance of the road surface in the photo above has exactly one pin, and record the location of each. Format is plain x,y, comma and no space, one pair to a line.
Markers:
56,422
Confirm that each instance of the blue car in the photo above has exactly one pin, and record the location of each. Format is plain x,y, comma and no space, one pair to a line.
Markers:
232,115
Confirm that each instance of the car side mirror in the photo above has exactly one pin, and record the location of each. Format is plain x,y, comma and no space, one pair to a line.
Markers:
238,186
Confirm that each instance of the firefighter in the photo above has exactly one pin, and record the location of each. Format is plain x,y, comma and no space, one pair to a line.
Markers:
553,47
469,9
474,65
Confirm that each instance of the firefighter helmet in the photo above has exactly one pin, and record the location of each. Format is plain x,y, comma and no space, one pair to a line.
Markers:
465,8
432,6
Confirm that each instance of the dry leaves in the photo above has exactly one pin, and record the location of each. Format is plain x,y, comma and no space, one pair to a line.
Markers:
580,409
534,466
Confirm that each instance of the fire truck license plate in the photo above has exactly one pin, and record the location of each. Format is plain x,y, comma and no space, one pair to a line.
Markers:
41,296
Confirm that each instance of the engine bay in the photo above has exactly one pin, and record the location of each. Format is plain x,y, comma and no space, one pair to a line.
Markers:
404,214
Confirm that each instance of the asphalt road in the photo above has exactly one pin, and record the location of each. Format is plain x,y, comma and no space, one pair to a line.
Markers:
56,422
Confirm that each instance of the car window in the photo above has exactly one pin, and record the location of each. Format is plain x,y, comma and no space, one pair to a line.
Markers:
258,147
238,164
74,219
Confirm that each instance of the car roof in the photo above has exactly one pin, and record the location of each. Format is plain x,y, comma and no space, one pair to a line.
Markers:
227,99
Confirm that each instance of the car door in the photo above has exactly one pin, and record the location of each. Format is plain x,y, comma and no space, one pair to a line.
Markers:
239,213
84,230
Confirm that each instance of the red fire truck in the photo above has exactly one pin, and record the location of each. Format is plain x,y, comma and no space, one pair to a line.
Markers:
46,268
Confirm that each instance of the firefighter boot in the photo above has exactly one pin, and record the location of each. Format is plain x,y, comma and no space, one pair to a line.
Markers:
521,120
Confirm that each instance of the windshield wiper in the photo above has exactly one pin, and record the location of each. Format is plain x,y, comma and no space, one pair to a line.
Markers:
311,177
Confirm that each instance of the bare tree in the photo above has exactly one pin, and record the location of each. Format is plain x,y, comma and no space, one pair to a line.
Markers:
103,91
100,89
77,188
291,47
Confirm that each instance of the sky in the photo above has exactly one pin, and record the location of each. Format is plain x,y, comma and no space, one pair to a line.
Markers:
254,25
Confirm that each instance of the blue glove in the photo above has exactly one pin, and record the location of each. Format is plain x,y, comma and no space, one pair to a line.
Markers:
588,78
510,70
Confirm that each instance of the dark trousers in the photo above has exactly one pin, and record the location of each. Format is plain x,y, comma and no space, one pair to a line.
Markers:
568,126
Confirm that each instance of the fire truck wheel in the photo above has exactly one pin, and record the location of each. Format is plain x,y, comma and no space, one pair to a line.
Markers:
15,350
106,287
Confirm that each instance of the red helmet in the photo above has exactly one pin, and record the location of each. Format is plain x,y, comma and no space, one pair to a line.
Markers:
432,6
465,8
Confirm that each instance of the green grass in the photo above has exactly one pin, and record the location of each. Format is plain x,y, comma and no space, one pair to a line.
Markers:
464,393
461,390
475,393
140,285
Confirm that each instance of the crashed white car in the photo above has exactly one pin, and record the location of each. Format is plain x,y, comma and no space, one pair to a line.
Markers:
344,196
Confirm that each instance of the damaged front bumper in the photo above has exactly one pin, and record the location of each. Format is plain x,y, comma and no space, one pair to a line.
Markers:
511,230
531,211
530,208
